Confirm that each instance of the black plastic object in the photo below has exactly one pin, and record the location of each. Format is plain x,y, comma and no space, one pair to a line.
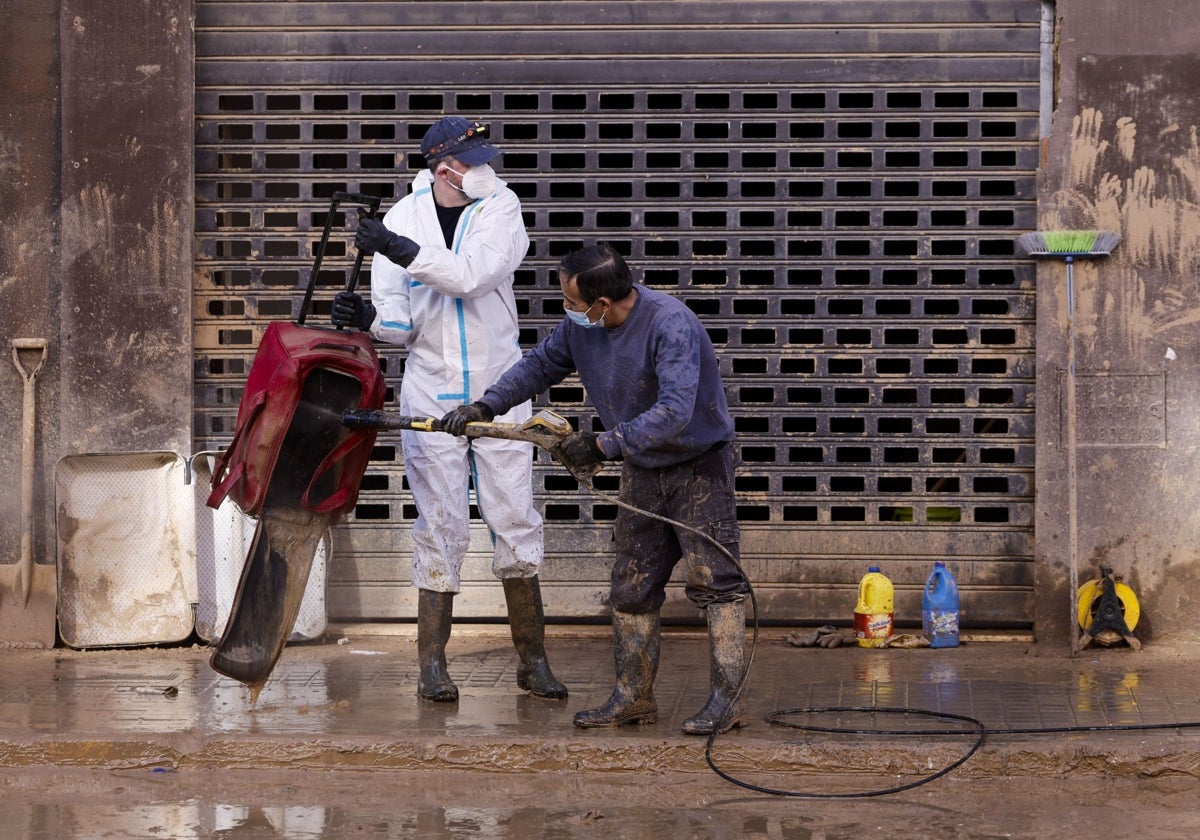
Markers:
287,537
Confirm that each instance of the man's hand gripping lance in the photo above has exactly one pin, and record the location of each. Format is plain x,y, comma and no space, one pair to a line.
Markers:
545,429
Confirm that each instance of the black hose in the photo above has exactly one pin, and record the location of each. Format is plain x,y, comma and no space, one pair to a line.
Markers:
980,733
773,718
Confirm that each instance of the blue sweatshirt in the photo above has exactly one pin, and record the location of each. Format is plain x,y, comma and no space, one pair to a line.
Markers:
654,381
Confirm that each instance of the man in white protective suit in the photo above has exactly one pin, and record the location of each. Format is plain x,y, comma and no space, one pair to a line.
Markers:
442,286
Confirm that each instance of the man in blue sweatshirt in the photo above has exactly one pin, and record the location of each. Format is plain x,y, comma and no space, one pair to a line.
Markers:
649,368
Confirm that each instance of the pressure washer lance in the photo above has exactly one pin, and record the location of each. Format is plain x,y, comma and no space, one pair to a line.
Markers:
545,429
548,430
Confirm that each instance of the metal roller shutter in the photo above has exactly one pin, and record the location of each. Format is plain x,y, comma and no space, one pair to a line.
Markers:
834,186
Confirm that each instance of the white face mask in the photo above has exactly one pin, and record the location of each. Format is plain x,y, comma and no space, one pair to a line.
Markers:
477,182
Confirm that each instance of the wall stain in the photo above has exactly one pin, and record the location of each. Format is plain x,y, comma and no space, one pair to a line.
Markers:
89,225
1148,288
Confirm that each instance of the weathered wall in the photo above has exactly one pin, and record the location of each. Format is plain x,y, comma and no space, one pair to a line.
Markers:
29,97
96,186
1124,156
127,195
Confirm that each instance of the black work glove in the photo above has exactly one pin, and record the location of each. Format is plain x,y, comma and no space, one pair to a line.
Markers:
455,422
350,310
373,238
579,453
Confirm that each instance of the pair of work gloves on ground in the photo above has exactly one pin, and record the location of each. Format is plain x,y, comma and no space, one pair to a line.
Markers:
579,452
349,309
827,636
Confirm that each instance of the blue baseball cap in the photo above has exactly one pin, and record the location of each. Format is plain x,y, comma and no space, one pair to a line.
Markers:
458,138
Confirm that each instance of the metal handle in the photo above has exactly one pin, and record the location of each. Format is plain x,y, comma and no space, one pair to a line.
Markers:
28,433
371,201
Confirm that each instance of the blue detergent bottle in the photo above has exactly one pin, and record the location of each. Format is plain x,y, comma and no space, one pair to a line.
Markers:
939,608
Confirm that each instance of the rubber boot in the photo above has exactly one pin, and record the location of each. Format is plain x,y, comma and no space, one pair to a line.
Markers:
727,655
635,648
527,621
433,631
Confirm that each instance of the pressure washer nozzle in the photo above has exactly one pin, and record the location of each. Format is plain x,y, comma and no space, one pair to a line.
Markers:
363,418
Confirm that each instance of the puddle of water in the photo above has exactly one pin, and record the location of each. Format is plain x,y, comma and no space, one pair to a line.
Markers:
296,805
197,821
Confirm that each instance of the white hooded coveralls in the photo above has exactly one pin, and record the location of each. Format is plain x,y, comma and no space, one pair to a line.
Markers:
454,309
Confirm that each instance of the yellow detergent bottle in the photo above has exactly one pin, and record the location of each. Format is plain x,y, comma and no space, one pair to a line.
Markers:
874,613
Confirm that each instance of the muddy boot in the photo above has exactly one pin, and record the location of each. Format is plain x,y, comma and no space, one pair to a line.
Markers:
527,621
433,631
635,648
727,654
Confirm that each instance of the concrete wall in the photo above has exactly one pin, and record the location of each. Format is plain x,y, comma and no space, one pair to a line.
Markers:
95,233
126,220
1124,156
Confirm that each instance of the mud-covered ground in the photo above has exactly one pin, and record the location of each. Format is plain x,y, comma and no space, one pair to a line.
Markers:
149,803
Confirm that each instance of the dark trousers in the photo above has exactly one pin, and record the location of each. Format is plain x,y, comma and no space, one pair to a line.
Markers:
698,493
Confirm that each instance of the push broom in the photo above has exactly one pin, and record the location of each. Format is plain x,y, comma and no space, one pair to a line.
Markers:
1069,246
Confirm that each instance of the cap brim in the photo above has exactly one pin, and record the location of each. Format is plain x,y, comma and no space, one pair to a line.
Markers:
477,155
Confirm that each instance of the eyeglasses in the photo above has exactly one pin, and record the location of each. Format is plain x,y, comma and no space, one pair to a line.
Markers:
572,306
480,130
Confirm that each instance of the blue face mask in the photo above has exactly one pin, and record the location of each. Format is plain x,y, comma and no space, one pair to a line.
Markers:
581,318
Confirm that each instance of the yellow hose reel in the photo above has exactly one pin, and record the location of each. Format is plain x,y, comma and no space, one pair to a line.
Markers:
1088,598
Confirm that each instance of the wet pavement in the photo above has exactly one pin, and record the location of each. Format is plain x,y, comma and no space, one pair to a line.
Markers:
152,743
350,703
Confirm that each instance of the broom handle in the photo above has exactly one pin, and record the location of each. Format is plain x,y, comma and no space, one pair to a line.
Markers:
1072,467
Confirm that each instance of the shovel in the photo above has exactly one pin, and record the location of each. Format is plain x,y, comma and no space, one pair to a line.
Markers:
28,590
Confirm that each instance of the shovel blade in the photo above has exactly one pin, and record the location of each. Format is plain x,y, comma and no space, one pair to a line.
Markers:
28,621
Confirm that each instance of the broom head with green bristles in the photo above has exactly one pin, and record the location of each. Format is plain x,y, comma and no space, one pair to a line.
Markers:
1068,243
